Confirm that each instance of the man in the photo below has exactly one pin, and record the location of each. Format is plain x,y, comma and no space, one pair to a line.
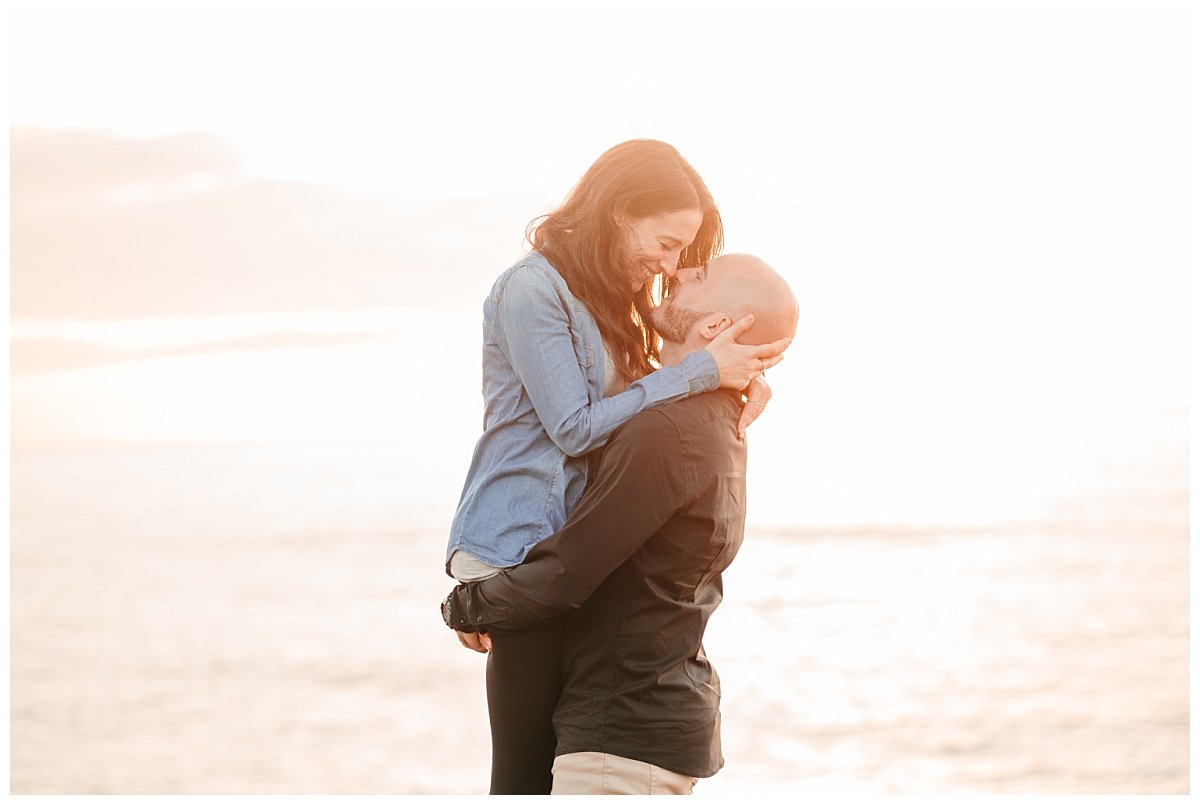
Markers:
640,562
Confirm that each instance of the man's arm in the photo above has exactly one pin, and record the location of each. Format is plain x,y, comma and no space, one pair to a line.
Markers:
641,482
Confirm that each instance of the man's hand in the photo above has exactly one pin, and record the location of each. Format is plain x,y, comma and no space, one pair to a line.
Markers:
476,641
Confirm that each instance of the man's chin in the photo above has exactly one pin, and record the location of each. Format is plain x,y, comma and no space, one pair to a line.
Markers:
669,336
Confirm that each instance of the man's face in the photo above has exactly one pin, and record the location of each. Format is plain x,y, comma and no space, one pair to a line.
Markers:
692,296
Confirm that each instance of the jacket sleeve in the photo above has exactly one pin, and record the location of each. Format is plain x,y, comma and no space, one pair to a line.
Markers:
641,482
533,329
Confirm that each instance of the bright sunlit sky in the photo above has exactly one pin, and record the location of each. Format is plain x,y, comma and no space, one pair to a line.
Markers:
983,206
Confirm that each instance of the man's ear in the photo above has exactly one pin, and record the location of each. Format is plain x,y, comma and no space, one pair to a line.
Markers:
714,327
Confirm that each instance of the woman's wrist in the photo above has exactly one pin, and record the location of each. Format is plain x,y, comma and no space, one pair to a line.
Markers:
701,370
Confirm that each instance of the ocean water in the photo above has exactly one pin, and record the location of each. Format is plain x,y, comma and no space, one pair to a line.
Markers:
262,619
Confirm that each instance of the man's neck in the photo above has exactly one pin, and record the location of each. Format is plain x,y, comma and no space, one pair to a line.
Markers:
672,353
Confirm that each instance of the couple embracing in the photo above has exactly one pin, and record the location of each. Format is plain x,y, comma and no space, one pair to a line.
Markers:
622,363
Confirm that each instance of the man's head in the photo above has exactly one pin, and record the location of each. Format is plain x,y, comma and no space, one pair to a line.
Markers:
705,301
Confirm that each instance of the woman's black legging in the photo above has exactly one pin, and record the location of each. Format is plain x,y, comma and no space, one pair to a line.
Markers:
524,680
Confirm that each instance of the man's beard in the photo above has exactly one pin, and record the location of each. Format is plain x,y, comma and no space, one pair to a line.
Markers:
674,322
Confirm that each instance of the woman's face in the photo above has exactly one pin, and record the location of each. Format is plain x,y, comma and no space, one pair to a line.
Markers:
652,245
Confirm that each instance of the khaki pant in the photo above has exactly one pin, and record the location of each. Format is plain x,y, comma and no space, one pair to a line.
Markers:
598,773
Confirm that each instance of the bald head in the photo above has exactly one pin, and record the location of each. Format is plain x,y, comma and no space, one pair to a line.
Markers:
705,301
744,284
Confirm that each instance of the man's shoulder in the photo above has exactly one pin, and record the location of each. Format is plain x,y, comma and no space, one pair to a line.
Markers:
706,407
698,414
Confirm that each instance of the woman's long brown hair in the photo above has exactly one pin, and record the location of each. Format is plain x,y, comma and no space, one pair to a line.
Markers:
581,239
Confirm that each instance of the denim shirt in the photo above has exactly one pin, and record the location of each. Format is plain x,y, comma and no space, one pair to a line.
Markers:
543,380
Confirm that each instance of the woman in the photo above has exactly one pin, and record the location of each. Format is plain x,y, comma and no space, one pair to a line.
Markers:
569,355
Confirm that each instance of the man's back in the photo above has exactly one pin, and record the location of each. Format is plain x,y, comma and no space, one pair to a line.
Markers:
636,680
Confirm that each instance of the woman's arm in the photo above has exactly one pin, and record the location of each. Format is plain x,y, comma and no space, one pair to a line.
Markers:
533,329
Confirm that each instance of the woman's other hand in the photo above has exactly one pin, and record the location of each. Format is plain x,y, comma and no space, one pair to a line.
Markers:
758,394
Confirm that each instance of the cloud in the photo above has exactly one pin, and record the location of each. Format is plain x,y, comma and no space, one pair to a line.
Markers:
69,165
112,227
